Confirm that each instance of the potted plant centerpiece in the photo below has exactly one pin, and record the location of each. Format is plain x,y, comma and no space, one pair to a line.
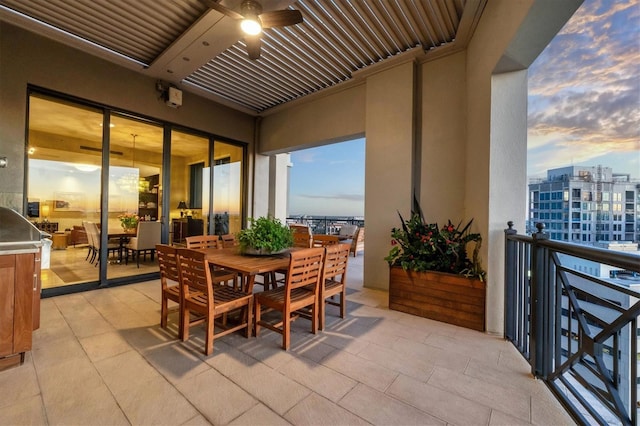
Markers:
431,273
129,221
267,235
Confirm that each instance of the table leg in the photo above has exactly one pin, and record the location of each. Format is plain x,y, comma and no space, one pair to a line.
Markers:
249,281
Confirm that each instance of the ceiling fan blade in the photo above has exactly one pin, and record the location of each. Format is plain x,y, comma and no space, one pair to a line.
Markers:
280,18
213,4
253,46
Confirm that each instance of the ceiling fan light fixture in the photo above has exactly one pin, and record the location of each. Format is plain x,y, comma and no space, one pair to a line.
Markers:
251,25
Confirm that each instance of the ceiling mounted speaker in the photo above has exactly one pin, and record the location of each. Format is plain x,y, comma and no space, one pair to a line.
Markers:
174,97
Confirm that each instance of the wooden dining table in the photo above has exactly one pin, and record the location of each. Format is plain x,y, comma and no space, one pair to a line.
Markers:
123,238
247,265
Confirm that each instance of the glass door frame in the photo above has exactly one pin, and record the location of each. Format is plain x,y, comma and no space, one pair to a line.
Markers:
107,113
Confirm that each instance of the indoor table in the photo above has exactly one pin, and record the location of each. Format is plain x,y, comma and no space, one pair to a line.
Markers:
123,238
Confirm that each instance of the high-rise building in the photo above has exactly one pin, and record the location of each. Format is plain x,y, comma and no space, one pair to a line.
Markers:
586,204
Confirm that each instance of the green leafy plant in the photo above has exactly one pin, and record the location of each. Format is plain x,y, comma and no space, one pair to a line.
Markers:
266,234
422,246
129,220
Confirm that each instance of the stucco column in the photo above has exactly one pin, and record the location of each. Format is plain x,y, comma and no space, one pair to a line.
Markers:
260,193
390,132
279,185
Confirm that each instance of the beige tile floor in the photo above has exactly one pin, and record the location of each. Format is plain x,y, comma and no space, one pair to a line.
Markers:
100,357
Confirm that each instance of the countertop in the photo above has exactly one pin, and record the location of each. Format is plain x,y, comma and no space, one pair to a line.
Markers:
19,248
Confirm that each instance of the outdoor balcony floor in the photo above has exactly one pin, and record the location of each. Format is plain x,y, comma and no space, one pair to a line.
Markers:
100,357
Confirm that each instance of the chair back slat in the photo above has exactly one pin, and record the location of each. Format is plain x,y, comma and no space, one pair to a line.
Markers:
168,263
302,240
321,240
300,229
335,261
305,269
194,272
228,240
203,242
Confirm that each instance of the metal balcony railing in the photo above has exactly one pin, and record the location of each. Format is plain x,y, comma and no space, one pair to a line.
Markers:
578,331
326,224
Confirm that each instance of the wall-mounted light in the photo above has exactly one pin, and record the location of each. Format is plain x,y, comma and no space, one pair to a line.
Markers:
45,213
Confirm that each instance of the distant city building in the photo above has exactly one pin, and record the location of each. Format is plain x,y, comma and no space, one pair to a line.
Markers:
586,205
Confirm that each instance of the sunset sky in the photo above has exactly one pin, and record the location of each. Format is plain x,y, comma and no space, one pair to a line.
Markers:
584,109
584,92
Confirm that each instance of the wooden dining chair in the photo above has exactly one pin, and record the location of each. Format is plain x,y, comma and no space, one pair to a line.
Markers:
203,242
322,240
334,280
301,290
297,228
201,296
273,279
357,244
228,240
168,263
303,240
218,275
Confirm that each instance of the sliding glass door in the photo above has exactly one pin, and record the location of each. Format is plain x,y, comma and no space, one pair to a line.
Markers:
227,188
67,190
63,193
135,196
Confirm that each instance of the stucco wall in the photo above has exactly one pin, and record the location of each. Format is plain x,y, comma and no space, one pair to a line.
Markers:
26,58
443,138
499,24
390,129
334,117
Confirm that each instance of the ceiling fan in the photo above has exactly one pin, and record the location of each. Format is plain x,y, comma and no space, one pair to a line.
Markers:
253,20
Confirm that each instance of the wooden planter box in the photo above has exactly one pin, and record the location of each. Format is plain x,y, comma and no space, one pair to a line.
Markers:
439,296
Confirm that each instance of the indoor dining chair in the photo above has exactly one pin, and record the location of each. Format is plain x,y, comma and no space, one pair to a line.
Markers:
334,280
94,232
200,296
300,291
148,235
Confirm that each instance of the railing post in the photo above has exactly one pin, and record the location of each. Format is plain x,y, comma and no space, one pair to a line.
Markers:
541,343
510,281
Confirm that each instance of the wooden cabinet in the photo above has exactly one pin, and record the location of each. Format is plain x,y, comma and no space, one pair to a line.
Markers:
49,227
148,197
186,227
19,285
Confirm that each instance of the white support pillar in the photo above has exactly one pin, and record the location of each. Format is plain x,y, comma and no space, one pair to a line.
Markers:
260,186
390,130
279,185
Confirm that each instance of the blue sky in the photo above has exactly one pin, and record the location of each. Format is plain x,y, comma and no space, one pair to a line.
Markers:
584,109
328,180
